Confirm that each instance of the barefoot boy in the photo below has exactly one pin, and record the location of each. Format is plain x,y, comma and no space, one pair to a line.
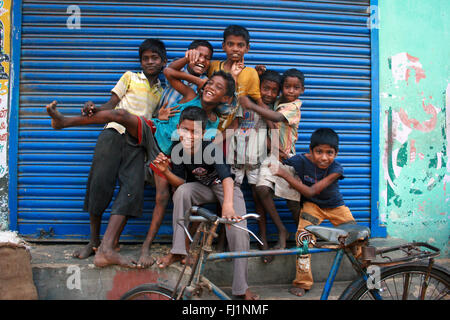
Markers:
138,93
199,181
286,118
195,64
319,174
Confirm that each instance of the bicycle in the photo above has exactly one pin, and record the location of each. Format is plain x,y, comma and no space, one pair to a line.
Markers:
402,273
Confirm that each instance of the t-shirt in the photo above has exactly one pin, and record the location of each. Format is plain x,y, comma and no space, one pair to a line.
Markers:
166,130
136,96
247,85
248,146
288,132
172,96
310,174
206,171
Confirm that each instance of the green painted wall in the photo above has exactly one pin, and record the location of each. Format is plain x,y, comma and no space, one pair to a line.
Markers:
414,77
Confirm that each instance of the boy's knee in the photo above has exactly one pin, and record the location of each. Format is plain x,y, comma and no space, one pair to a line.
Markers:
119,114
264,191
182,192
162,197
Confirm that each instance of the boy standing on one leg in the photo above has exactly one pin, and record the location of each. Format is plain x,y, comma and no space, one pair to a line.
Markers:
115,159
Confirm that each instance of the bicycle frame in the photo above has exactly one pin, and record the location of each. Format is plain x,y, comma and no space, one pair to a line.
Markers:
286,252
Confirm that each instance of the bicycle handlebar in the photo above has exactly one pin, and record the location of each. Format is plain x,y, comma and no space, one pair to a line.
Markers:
205,215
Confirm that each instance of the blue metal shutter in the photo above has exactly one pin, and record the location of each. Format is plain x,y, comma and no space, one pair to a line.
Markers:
328,40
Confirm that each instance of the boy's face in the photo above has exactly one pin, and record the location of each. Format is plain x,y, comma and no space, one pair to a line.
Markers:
191,134
235,47
323,155
269,91
200,66
292,89
214,91
151,63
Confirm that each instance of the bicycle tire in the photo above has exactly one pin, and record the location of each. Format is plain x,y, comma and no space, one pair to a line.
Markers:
148,291
390,283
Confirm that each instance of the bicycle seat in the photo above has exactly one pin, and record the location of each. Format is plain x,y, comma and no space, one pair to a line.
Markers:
351,232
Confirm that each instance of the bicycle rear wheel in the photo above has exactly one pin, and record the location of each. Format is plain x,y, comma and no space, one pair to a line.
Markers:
148,291
403,282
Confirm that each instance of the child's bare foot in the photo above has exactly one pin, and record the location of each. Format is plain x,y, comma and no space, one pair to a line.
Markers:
168,259
57,117
296,291
85,252
284,235
106,257
145,261
249,295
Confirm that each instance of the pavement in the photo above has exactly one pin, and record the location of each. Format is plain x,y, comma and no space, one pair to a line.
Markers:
59,276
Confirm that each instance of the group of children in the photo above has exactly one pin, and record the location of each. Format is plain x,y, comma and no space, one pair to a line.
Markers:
161,135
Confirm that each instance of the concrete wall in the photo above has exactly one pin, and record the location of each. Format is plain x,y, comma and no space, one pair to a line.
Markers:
415,113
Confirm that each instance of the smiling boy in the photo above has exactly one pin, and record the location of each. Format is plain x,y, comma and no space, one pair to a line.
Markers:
199,181
114,159
319,174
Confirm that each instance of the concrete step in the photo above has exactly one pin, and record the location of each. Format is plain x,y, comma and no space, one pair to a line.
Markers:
57,275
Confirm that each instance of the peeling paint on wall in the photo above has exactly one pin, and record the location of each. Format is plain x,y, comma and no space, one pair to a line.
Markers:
415,164
5,30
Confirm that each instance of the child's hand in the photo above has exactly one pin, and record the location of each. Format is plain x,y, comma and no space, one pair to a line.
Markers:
202,84
229,213
260,69
89,109
165,113
192,55
236,68
161,162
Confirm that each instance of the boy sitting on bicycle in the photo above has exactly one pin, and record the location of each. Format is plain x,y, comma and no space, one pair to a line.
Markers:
201,176
319,174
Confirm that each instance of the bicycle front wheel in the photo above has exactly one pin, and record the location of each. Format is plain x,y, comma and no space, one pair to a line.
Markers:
148,291
403,282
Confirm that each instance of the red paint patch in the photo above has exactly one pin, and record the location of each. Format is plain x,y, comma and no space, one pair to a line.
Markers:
126,280
427,125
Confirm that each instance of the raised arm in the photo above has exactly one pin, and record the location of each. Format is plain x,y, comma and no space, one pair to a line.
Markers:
175,76
264,112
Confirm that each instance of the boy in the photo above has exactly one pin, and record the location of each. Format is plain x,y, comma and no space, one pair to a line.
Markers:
319,174
236,43
195,63
248,146
115,159
199,181
286,118
155,135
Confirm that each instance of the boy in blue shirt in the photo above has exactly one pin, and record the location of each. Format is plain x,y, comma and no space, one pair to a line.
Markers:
319,174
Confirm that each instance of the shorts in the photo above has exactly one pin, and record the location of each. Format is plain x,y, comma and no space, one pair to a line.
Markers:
311,213
251,173
116,160
146,139
280,186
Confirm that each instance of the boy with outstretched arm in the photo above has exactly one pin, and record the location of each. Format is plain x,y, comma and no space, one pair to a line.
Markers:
200,177
156,135
319,174
194,64
286,118
139,94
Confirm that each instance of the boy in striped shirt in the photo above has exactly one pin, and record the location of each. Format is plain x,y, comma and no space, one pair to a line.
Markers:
286,117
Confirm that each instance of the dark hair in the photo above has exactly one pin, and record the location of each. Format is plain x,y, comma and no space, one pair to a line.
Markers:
201,43
231,85
153,45
270,75
194,114
294,73
235,30
324,136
